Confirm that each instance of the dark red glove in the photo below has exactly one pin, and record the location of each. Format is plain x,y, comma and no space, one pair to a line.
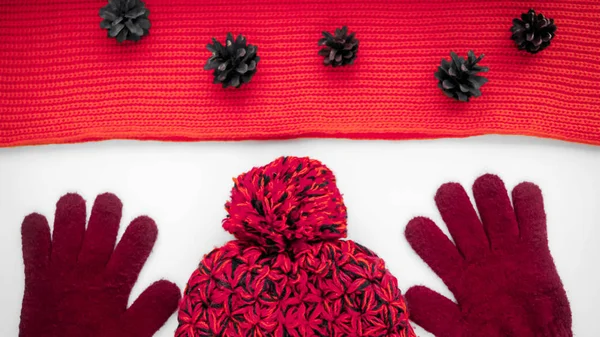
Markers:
501,273
76,285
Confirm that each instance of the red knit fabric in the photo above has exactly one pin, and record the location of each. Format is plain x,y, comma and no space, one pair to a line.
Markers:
291,199
62,80
76,285
288,274
500,271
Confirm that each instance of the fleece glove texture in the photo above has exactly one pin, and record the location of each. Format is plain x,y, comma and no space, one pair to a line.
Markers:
499,268
78,284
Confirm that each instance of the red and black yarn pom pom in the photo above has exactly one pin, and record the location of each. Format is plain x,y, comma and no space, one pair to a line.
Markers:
291,199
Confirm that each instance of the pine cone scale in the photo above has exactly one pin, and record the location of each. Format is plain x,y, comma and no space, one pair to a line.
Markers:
477,81
115,30
135,13
242,68
134,28
211,64
240,53
223,66
446,84
144,23
107,14
123,35
235,81
252,65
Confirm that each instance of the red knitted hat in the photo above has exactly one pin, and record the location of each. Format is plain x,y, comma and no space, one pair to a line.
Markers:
62,80
288,273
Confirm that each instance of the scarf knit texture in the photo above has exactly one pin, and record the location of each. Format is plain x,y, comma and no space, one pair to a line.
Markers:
62,80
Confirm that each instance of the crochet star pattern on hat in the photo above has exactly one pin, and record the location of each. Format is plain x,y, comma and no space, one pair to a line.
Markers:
68,82
288,273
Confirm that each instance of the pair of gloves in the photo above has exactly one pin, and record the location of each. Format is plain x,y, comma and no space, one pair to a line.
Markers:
499,268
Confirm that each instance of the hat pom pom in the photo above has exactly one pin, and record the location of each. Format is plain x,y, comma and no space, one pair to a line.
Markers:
289,200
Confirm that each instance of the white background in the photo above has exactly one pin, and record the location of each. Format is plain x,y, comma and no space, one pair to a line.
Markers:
184,186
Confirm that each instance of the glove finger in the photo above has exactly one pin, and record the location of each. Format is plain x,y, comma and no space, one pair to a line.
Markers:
35,236
152,309
101,234
434,312
496,211
462,221
69,228
132,252
435,249
529,209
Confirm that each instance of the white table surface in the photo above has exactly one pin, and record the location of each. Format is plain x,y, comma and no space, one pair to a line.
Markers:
183,187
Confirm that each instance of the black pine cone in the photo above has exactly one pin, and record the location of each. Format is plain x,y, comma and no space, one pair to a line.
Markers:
533,32
340,49
458,77
125,19
235,63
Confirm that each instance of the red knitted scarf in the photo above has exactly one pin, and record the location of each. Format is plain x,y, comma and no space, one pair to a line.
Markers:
62,80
